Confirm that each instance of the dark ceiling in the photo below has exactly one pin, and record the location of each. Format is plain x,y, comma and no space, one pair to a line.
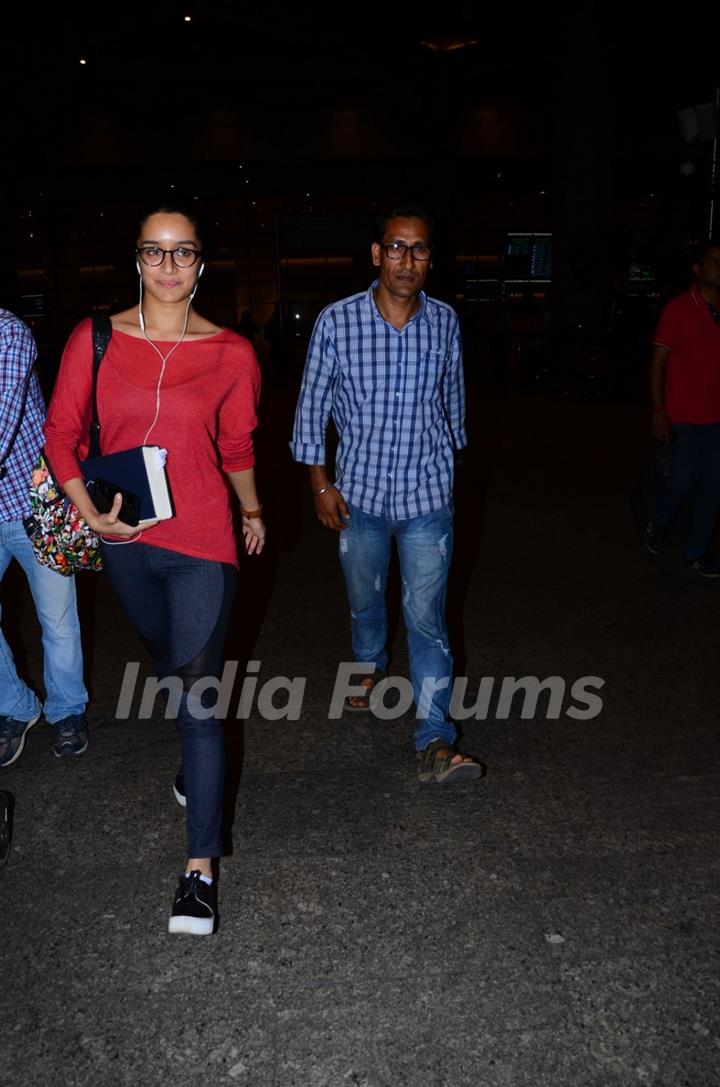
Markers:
288,55
151,76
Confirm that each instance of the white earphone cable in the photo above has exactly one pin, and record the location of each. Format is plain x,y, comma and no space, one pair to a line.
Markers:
163,359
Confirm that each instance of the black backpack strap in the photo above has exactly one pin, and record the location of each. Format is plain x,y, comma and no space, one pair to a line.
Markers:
101,333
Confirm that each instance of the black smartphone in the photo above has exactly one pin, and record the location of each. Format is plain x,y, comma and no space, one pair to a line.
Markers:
103,495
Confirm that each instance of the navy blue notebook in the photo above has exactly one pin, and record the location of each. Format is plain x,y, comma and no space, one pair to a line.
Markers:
139,471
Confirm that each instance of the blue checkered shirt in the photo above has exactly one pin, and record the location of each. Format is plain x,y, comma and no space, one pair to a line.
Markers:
397,399
22,413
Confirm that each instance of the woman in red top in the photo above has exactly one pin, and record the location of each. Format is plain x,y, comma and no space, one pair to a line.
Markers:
172,378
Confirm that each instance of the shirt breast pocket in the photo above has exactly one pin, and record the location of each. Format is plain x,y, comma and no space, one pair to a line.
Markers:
430,374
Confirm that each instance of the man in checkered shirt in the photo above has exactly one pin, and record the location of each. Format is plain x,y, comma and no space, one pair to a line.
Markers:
22,412
386,364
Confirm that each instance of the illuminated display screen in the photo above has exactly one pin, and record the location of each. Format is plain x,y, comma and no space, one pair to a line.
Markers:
529,256
640,273
33,305
481,290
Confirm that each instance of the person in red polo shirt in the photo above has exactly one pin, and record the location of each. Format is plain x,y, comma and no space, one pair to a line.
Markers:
685,385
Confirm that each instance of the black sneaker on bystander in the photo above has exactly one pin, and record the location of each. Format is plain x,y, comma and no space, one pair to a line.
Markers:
71,736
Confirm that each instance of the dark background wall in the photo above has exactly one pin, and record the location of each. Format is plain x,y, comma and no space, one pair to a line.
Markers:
291,128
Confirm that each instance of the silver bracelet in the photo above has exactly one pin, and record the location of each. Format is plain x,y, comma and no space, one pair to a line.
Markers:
322,490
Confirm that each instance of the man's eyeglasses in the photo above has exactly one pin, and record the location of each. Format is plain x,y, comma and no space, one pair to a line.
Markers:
153,256
397,250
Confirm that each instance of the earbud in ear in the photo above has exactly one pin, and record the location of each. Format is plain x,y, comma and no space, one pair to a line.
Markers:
137,265
201,269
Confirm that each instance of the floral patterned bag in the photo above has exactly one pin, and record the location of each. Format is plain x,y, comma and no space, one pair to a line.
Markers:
61,538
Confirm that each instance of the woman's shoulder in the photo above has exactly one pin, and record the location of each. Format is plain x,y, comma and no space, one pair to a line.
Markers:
236,358
81,335
228,335
238,344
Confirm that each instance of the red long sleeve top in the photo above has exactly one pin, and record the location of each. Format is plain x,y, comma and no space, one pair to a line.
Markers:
208,410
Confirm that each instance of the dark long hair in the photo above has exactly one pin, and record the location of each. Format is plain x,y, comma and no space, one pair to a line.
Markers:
175,207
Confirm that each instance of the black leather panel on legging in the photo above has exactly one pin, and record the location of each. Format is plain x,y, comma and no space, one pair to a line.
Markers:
207,661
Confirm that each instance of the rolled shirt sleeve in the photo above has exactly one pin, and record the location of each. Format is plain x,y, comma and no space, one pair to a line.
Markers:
315,401
454,390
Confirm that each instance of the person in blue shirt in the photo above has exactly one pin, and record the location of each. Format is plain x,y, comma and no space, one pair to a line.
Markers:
22,413
386,364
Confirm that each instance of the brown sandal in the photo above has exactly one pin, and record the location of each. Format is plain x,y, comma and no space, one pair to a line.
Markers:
439,768
369,681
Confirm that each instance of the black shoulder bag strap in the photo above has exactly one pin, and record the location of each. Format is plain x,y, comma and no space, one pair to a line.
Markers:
101,333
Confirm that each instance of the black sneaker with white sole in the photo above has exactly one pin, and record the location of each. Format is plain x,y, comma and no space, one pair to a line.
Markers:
655,536
705,567
179,789
195,907
12,737
71,736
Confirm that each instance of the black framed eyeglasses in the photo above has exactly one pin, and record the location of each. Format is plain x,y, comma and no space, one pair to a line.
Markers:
182,257
397,250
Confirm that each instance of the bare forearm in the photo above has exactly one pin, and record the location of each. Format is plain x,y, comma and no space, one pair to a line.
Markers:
243,483
660,421
330,506
77,492
658,364
253,526
319,478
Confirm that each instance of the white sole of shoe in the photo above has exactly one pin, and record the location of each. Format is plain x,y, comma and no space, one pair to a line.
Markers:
194,926
21,745
70,754
182,800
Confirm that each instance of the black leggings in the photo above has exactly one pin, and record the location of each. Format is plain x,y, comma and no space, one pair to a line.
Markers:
180,606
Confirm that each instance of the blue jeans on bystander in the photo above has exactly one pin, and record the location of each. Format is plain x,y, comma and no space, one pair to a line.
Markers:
424,549
55,605
694,460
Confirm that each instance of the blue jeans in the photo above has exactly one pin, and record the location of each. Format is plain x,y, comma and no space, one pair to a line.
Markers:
424,549
54,599
694,460
180,607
